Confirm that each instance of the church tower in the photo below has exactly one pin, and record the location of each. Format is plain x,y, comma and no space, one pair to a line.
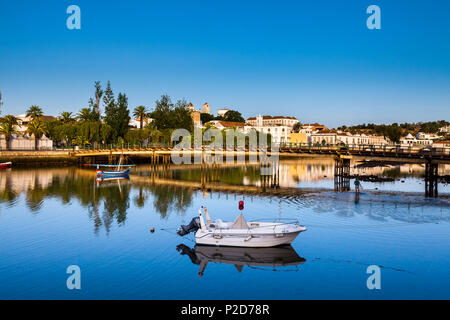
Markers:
206,108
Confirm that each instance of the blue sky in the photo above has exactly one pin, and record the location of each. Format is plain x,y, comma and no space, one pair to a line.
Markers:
315,60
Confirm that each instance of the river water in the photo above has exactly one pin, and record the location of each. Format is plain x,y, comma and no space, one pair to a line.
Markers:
52,218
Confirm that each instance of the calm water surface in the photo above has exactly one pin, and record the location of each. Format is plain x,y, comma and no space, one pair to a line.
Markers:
53,218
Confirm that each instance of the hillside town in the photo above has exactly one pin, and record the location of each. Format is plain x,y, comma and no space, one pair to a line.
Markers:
35,130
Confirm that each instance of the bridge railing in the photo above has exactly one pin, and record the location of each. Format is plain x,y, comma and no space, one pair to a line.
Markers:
363,148
290,147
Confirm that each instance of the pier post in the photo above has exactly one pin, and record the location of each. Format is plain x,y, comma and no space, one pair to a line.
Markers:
431,179
342,173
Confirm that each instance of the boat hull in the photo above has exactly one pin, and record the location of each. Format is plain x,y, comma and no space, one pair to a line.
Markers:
5,165
245,240
113,174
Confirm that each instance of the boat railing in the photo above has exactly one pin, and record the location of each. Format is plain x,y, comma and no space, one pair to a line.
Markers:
276,222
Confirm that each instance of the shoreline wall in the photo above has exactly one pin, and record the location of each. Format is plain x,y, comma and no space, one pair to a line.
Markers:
37,157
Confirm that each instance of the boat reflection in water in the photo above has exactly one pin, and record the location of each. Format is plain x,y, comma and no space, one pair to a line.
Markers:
256,258
109,179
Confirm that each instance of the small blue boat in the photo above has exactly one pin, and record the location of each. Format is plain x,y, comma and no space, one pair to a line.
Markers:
119,171
113,174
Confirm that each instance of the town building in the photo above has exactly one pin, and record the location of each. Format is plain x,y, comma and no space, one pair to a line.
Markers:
20,142
267,121
427,136
191,107
323,138
279,134
136,123
313,128
298,138
195,115
334,138
23,121
221,125
222,112
206,108
410,140
445,129
360,139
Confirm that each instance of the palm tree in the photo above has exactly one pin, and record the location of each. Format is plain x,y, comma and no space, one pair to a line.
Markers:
8,127
140,112
84,115
36,128
66,117
34,112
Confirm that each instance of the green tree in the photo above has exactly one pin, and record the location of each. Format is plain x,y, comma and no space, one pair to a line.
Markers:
36,128
8,127
117,116
233,116
140,113
66,117
105,132
206,117
88,114
95,103
34,112
167,116
68,132
297,127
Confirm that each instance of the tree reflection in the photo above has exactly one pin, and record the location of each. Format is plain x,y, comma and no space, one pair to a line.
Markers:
107,202
168,198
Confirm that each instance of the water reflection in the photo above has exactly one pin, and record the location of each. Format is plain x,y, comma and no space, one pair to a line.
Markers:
106,200
109,201
255,258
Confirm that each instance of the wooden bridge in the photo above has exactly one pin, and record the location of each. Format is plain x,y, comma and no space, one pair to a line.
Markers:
431,157
372,152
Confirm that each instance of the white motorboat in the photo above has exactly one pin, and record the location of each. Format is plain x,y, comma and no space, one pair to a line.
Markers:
241,233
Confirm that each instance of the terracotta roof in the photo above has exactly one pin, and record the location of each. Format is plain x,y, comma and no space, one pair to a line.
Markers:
230,124
273,117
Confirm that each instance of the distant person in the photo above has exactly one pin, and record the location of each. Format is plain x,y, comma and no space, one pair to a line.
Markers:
357,185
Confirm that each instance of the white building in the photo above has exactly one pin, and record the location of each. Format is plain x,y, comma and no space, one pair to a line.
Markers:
222,112
329,138
445,129
427,136
334,138
410,140
312,128
23,121
25,142
268,121
361,139
136,123
279,134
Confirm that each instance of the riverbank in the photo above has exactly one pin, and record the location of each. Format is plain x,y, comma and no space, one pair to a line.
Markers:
31,158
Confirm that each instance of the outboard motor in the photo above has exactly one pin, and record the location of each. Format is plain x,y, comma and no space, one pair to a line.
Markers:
191,227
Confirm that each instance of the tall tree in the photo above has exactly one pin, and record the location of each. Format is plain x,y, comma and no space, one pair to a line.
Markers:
37,128
140,113
8,127
87,114
234,116
167,116
95,103
297,127
34,112
66,117
108,97
117,117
